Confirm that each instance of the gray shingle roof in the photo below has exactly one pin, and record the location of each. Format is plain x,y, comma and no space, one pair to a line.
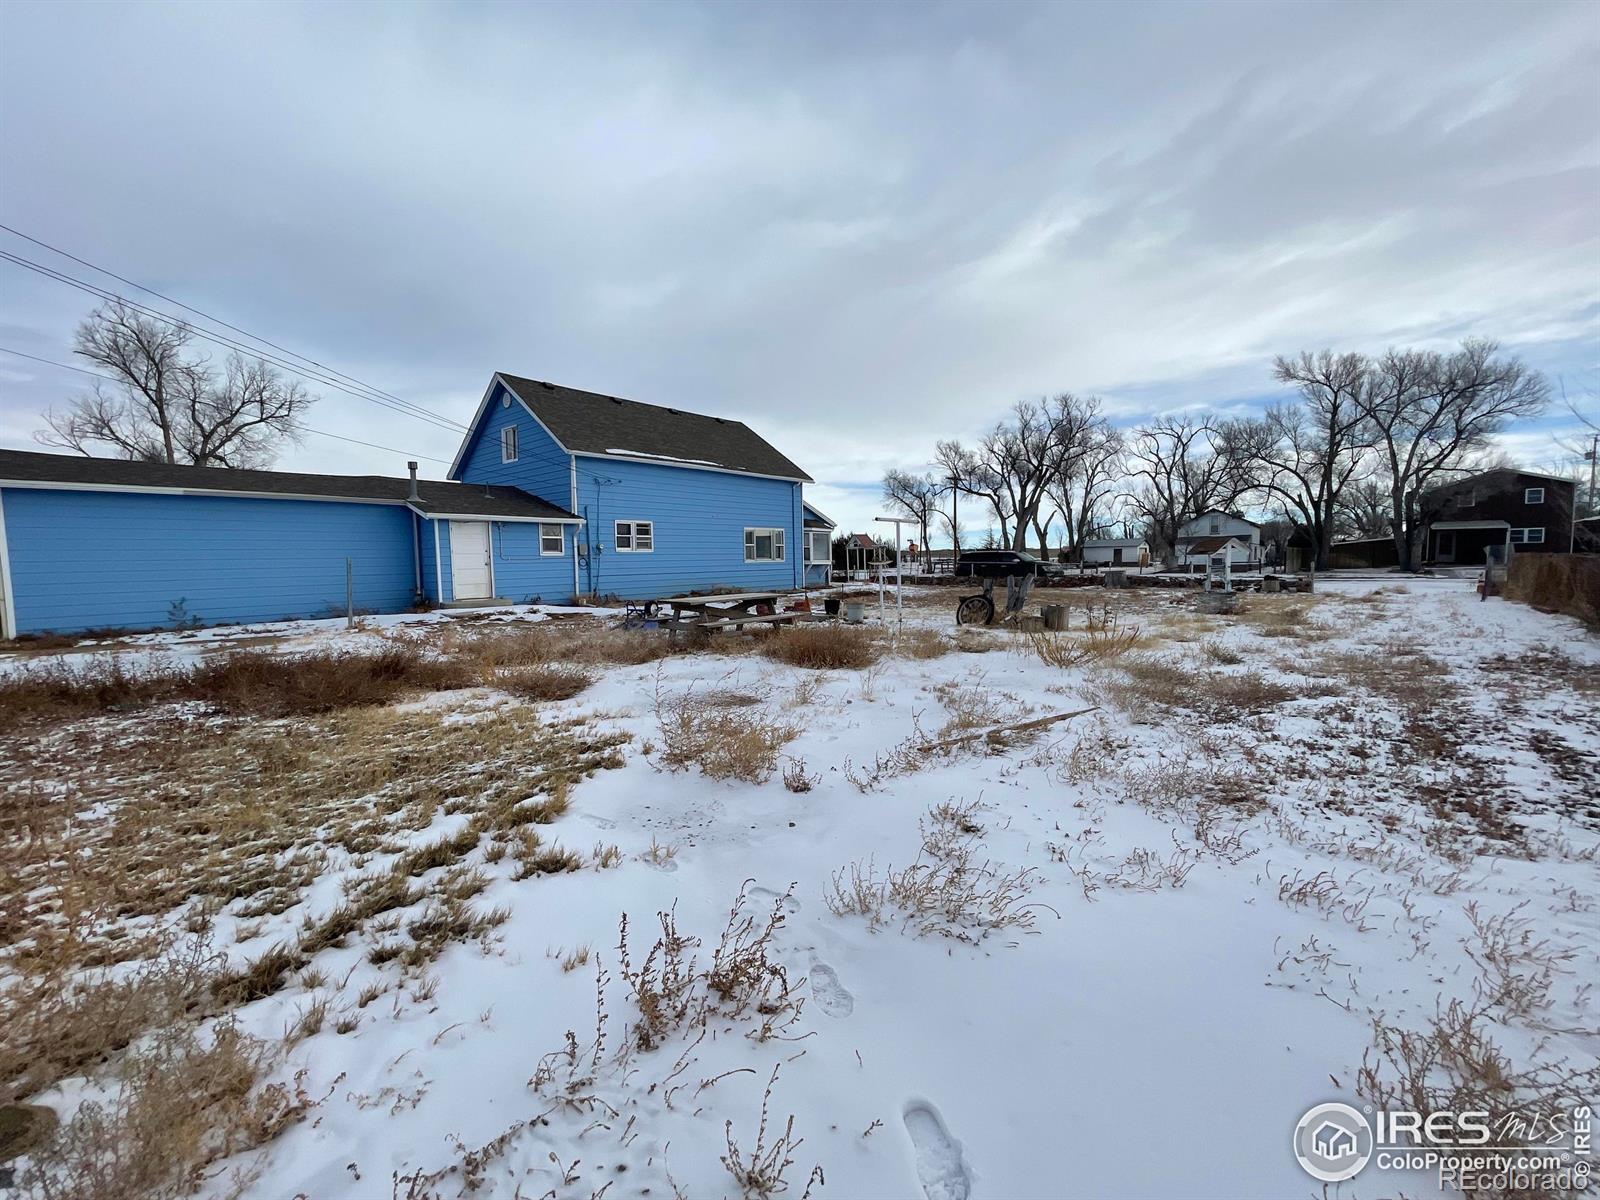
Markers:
438,498
589,423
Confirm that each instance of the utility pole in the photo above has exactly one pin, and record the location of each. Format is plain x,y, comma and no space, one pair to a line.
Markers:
1593,458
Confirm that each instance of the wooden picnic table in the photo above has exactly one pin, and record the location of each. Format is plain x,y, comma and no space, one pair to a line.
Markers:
729,610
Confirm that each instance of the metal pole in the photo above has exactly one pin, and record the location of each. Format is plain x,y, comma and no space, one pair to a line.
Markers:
899,587
349,594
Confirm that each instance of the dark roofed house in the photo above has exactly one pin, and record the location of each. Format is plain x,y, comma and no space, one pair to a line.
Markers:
555,493
1525,510
92,543
672,501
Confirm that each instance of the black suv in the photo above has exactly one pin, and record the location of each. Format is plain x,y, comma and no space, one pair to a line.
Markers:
998,564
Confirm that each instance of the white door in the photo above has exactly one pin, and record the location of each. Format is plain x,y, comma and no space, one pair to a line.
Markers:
470,575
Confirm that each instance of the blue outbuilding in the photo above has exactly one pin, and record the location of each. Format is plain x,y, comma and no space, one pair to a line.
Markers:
555,493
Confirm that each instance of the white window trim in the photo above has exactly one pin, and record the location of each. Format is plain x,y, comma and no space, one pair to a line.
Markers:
633,546
508,444
561,541
1524,539
780,542
827,547
1528,494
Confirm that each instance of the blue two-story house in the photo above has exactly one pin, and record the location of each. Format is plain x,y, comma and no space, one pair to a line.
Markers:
555,493
669,501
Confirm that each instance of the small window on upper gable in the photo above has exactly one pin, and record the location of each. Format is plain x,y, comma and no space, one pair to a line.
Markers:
1533,495
508,444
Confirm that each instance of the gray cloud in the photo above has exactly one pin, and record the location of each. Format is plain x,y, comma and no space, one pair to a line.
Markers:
860,227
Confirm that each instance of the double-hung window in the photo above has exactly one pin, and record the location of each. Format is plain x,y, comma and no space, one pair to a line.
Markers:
551,540
763,545
635,537
1528,537
508,444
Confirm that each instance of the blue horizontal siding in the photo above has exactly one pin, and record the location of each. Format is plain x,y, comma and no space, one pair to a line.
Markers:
91,560
428,561
699,521
542,467
521,573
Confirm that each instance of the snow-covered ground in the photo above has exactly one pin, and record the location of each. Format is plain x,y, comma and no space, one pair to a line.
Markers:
1213,904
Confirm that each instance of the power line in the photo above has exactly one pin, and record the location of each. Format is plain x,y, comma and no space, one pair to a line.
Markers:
201,313
319,432
404,407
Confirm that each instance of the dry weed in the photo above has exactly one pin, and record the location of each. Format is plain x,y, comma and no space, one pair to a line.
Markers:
946,891
544,681
724,743
182,1103
822,647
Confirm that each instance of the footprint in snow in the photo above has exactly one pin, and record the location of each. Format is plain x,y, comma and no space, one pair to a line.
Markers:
829,994
939,1167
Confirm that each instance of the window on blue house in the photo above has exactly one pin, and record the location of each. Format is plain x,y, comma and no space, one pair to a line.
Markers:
763,545
550,541
635,537
820,549
508,444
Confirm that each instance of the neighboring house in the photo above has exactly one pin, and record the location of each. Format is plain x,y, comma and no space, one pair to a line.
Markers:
672,501
1209,526
1196,553
819,529
1530,512
1115,552
96,543
554,493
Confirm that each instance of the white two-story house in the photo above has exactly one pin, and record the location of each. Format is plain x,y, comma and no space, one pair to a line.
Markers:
1218,532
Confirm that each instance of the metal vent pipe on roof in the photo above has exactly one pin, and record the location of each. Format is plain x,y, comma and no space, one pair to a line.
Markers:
412,494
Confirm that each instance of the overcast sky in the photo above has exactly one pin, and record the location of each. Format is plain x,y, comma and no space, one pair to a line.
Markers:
858,227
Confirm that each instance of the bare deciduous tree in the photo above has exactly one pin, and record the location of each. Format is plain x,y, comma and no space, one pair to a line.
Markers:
1084,493
1176,474
1430,411
969,476
1363,510
1042,442
917,496
1305,455
168,403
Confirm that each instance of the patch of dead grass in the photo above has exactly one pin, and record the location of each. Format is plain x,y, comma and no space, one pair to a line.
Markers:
183,1101
823,647
725,743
